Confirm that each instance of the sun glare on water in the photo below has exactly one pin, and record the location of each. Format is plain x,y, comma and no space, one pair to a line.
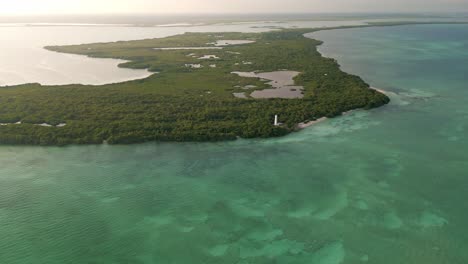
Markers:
46,7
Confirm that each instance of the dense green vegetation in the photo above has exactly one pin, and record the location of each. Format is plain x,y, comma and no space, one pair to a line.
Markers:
179,103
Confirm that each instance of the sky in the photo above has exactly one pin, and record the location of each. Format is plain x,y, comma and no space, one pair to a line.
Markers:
54,7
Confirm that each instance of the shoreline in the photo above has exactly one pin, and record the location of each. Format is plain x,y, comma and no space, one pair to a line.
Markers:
380,90
304,125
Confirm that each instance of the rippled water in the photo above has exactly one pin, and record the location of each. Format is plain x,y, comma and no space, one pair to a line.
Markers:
381,186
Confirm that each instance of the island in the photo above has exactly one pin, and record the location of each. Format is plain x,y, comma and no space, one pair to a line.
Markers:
204,87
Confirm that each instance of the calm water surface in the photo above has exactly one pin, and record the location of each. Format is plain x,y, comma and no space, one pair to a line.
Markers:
24,60
382,186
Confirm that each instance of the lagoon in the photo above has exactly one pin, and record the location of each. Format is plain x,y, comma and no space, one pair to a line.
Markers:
24,59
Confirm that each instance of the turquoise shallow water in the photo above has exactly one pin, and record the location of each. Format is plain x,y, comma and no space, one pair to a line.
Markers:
382,186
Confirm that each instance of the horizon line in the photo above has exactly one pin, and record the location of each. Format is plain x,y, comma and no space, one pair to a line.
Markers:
242,13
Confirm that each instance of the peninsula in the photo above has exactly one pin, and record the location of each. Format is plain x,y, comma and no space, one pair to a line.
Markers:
205,87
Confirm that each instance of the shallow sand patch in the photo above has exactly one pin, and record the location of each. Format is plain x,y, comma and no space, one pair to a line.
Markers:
7,124
273,250
189,48
49,125
240,95
194,66
219,250
392,221
262,235
230,42
430,219
333,253
332,206
42,125
208,57
302,212
281,81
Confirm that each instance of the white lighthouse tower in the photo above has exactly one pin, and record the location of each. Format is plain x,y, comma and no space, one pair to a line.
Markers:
276,120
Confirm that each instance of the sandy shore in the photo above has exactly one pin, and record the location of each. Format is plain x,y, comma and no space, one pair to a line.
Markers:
380,90
311,123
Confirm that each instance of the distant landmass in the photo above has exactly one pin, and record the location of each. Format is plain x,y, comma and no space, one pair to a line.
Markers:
205,87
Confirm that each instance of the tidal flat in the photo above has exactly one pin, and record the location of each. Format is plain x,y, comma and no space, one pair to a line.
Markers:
282,83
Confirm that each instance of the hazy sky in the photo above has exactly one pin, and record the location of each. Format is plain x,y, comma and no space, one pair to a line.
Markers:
16,7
